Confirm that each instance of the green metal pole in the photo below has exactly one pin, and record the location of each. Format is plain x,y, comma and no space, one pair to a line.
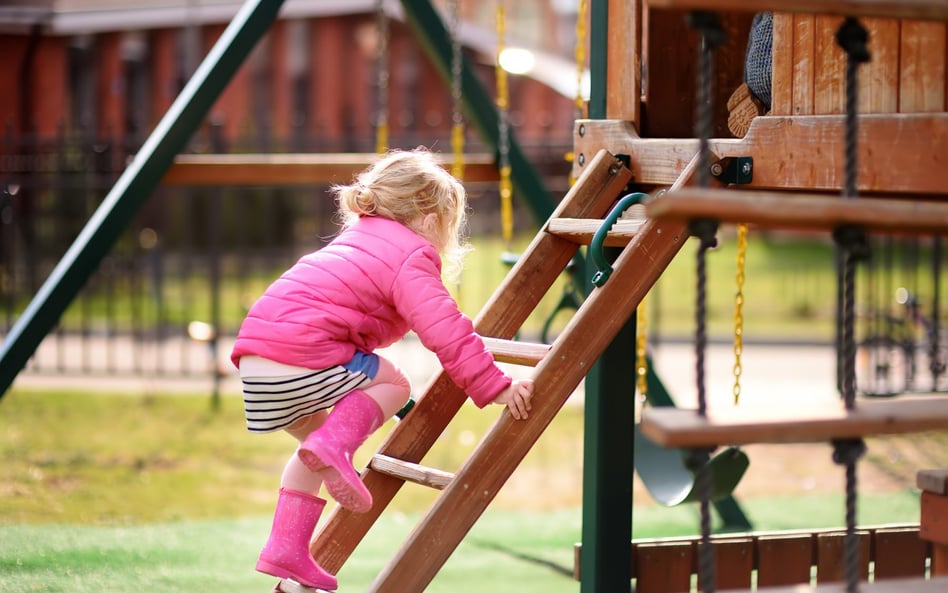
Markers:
608,452
608,464
135,185
478,106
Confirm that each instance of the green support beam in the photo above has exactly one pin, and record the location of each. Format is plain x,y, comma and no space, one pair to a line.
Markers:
608,463
135,185
479,106
609,445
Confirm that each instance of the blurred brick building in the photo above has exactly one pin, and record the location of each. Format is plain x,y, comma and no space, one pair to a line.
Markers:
111,68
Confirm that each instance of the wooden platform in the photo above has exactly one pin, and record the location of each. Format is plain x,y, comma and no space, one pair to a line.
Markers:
784,422
787,210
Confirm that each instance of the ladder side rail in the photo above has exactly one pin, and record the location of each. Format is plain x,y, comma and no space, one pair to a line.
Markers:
518,295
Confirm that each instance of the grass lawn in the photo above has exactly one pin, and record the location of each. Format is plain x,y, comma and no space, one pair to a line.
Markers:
132,493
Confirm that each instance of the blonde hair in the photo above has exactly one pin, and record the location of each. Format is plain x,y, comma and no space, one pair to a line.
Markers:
406,186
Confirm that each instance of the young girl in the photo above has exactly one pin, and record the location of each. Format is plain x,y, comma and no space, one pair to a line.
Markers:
307,345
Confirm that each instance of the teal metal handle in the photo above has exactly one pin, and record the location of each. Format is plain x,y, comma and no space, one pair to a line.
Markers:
605,267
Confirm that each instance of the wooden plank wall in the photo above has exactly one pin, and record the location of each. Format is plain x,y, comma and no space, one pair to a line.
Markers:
770,559
907,73
670,57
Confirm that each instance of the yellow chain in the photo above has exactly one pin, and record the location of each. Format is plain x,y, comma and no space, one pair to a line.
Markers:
641,340
506,205
381,137
457,126
506,187
739,309
580,55
499,72
457,146
381,58
580,52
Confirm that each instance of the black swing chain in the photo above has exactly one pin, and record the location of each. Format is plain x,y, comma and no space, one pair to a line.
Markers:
712,35
853,38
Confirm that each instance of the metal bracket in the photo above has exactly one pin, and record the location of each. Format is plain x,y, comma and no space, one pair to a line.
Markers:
734,170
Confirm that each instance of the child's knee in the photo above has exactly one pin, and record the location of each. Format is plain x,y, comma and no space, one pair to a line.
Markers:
393,375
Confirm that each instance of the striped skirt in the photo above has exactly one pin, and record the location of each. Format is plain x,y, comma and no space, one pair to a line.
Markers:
275,402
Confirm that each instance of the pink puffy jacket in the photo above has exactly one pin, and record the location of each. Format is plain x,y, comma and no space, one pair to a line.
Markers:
365,290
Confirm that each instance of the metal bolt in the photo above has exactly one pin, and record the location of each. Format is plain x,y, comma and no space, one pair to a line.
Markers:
746,169
581,159
717,169
582,130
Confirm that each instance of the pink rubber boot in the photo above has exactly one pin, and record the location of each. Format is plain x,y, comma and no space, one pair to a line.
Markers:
286,554
328,450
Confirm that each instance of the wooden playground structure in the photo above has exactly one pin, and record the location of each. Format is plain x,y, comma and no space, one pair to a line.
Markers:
849,147
816,139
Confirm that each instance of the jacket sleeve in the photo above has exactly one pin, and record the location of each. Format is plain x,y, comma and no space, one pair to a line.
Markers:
422,299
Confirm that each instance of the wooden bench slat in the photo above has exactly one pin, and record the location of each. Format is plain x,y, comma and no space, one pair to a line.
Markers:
802,211
734,563
937,585
678,427
293,169
411,472
663,568
784,560
831,554
582,230
516,352
898,553
904,9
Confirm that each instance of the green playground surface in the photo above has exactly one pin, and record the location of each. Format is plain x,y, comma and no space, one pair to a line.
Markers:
105,491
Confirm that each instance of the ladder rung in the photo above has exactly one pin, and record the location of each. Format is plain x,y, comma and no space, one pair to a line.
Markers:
799,211
582,230
515,352
411,472
904,9
776,423
916,585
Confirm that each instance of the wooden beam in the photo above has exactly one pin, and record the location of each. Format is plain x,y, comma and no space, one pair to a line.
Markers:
795,212
900,9
774,423
623,61
898,153
294,169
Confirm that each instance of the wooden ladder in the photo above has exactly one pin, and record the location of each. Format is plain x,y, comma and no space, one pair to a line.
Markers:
559,370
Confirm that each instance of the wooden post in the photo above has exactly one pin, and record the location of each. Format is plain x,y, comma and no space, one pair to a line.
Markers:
933,525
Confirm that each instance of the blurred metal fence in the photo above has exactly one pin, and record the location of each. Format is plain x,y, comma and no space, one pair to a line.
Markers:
179,280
